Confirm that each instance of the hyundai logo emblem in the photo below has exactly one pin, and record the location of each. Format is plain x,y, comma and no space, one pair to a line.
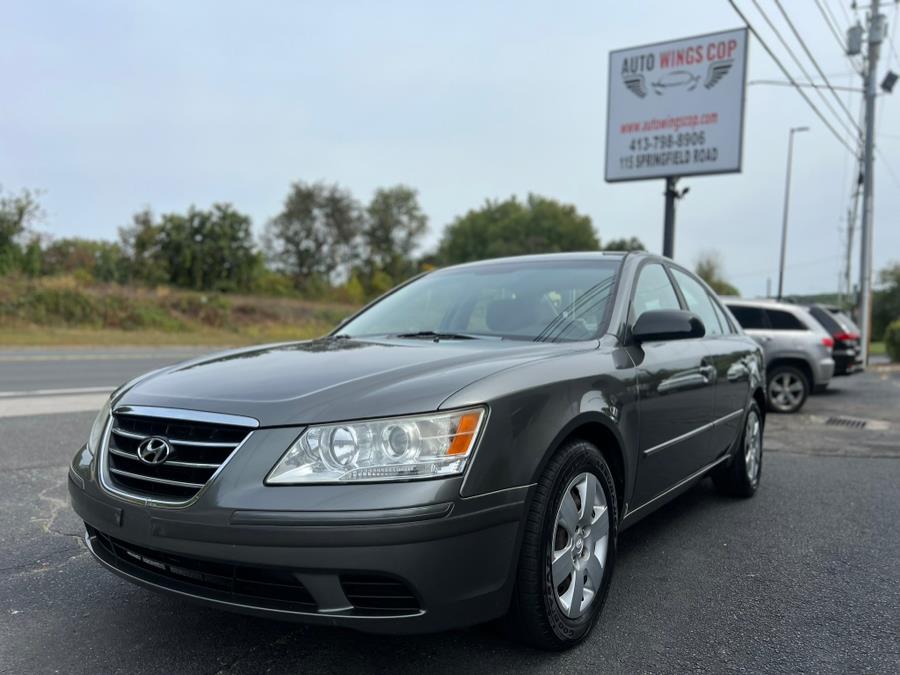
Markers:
154,450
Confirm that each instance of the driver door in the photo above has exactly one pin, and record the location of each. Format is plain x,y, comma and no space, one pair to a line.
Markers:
676,394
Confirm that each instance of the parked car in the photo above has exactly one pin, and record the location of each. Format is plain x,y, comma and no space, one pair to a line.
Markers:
847,349
798,350
467,447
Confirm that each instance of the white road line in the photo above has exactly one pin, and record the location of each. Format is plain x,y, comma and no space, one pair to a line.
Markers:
20,358
51,405
56,392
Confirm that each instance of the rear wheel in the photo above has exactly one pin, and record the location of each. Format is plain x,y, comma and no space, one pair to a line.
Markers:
787,389
568,550
740,478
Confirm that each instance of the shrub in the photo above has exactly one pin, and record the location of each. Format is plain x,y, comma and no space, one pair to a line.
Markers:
892,340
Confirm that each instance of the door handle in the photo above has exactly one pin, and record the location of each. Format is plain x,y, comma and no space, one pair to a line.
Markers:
708,372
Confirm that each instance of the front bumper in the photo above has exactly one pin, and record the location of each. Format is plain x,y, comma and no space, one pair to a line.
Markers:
436,560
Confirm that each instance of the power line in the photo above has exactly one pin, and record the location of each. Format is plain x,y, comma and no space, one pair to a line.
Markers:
784,70
843,11
802,69
826,13
816,64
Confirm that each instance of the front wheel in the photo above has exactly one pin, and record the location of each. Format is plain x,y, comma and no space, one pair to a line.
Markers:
740,477
568,550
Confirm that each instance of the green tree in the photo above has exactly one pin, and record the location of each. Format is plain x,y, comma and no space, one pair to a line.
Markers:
209,250
886,300
316,235
624,244
511,227
394,226
17,214
141,243
709,268
98,260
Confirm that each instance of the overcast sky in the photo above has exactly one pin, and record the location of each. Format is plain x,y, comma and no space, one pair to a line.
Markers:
111,106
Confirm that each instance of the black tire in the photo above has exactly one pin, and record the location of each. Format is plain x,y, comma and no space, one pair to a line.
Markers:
735,478
777,379
535,616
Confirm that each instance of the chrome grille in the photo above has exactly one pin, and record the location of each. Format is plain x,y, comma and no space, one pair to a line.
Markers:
199,449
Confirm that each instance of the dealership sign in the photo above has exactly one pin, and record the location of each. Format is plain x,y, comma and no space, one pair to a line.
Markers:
676,108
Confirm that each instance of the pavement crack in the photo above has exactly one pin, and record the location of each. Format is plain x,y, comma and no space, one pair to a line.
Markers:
47,522
41,566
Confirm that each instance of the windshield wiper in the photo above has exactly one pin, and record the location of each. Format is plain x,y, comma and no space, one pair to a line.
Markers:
435,335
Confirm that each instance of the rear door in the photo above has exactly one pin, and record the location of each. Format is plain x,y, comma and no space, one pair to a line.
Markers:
675,388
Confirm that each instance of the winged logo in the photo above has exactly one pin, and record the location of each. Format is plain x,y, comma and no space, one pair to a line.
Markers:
716,71
636,84
675,79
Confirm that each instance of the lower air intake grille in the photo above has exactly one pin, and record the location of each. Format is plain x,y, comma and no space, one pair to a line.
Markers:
198,449
378,595
267,587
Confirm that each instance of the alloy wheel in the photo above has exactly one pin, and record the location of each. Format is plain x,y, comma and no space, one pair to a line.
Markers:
753,447
580,539
786,391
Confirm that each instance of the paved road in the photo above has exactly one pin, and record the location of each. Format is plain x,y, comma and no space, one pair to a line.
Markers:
51,369
802,577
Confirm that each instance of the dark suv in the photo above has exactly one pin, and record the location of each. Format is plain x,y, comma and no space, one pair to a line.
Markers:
467,447
847,351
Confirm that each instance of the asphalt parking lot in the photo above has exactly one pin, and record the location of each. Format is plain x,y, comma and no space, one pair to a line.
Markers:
804,577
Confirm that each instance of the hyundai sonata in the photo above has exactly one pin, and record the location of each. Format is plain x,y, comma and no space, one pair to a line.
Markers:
467,447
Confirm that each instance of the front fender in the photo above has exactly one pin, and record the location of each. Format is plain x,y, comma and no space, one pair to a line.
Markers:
535,407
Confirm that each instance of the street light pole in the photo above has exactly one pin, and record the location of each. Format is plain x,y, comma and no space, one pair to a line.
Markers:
787,197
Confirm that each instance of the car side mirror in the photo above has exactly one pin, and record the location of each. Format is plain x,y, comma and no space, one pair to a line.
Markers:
667,324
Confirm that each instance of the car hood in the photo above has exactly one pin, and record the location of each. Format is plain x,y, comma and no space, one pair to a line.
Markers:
329,380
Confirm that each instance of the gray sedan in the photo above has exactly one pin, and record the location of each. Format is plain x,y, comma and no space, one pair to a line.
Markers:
466,448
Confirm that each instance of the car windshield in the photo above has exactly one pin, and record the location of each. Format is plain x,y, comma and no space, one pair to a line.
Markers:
534,300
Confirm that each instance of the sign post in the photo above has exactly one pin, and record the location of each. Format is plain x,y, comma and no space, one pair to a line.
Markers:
676,109
669,219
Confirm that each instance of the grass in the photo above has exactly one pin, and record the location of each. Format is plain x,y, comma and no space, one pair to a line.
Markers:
877,349
61,311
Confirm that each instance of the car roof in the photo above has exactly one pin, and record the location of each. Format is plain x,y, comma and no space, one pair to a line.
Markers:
550,257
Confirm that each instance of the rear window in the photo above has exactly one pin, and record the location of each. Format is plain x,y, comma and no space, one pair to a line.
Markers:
825,318
749,317
780,320
845,321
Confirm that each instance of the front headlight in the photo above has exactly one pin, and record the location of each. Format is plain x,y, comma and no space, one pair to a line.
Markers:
97,428
421,446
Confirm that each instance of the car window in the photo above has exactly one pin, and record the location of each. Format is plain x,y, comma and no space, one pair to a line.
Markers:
781,320
653,291
824,317
845,322
750,318
698,301
727,328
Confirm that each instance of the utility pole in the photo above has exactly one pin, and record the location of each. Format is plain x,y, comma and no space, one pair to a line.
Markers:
784,215
875,34
669,219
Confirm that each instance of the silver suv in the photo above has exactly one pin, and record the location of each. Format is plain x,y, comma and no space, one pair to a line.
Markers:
798,350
